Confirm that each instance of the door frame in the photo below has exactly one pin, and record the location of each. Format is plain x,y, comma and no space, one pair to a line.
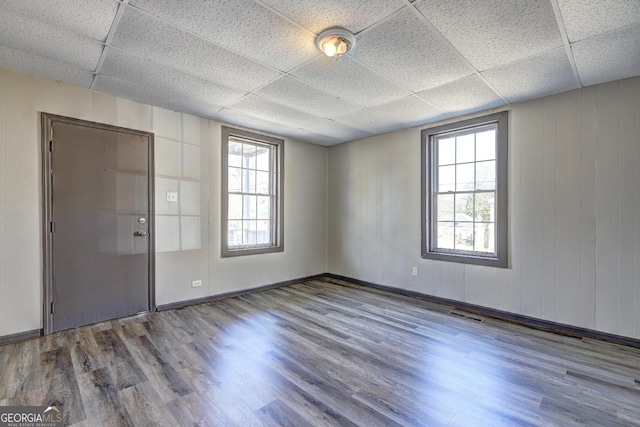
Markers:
47,148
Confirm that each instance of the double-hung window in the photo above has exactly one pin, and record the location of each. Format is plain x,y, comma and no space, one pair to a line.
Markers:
464,178
252,193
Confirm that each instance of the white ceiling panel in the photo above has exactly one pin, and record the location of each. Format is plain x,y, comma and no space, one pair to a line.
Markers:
41,67
491,33
587,18
406,51
91,18
463,96
243,26
292,92
28,35
354,15
608,57
349,80
341,132
410,111
150,38
369,121
267,110
153,96
124,66
534,77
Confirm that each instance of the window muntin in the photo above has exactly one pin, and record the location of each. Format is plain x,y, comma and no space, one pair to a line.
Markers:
465,191
252,193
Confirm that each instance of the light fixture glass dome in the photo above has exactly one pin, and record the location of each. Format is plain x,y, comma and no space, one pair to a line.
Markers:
335,41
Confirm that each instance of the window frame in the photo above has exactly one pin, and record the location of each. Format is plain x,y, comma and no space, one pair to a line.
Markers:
277,244
428,170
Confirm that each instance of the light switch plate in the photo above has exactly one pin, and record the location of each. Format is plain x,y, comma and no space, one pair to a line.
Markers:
172,196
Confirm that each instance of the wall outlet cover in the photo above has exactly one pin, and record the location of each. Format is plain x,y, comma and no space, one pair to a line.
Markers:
172,196
196,283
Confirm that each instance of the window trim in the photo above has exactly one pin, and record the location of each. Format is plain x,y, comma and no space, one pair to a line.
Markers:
278,225
502,190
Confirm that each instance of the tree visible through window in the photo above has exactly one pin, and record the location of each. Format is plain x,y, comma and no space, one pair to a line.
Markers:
465,206
252,183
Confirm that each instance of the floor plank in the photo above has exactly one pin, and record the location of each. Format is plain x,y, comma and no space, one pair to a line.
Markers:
322,353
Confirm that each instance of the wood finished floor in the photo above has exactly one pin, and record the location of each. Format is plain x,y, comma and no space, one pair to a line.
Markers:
321,353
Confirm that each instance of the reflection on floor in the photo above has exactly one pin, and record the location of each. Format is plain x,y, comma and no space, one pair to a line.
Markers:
321,353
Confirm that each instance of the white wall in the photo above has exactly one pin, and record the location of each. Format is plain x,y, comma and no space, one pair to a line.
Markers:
187,161
574,213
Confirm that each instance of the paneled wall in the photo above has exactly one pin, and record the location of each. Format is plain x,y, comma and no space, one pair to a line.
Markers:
574,213
187,161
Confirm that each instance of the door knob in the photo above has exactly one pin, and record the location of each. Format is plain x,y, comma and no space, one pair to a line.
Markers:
140,233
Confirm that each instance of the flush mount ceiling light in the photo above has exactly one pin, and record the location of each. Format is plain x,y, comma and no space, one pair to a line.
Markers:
335,41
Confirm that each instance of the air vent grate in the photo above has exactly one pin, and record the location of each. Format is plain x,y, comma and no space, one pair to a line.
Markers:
466,316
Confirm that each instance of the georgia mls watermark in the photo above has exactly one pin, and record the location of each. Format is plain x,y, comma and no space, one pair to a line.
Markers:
31,416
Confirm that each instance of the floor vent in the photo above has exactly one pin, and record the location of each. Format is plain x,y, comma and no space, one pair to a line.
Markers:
466,316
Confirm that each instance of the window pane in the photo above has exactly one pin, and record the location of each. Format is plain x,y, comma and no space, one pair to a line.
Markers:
249,156
464,236
249,232
234,233
264,232
445,235
235,180
465,177
486,145
235,206
249,207
486,175
264,207
249,181
464,207
445,207
465,150
235,154
262,182
446,179
485,238
485,207
263,162
446,151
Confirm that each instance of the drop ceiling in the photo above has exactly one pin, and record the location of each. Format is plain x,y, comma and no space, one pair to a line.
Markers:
253,63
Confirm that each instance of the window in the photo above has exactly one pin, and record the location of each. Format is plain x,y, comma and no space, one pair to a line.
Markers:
464,197
252,193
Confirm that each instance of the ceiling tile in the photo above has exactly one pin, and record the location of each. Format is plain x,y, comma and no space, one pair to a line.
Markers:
125,66
24,34
349,80
153,96
587,18
338,131
608,57
491,33
37,66
533,77
463,96
354,15
243,26
410,111
91,18
150,38
406,51
292,92
267,110
369,121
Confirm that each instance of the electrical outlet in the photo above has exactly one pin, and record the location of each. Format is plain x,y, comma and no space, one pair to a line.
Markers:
196,283
172,196
415,271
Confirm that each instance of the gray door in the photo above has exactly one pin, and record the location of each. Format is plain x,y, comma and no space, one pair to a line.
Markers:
99,237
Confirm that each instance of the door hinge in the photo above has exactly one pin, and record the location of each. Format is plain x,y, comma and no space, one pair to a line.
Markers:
52,308
52,226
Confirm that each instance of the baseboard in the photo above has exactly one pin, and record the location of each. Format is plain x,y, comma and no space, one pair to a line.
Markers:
528,321
212,298
21,336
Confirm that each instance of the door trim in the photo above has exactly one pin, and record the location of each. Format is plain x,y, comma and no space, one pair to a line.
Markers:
47,121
